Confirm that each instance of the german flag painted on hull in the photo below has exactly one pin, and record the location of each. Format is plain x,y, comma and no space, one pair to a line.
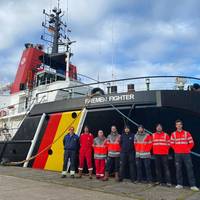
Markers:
58,123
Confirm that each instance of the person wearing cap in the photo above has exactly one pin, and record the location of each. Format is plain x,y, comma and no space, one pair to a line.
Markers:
71,145
143,145
182,144
113,158
161,145
85,153
127,154
100,154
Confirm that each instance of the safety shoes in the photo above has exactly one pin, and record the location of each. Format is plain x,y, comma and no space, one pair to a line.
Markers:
168,184
90,174
194,188
105,178
80,174
179,187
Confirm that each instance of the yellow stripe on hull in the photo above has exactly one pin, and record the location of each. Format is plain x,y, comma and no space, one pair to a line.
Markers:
55,161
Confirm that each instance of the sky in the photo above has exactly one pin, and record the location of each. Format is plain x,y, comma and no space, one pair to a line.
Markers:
126,38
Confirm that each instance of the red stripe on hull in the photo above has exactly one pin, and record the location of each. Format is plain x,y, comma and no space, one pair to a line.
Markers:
47,139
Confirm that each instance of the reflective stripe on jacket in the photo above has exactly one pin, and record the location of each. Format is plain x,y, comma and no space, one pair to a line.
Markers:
181,142
100,148
113,145
161,143
143,145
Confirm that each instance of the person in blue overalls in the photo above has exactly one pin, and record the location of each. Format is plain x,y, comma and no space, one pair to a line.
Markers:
71,145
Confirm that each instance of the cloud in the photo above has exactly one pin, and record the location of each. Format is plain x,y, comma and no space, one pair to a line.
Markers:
19,19
9,64
131,38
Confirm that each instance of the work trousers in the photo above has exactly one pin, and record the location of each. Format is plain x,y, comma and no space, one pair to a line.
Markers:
147,165
85,154
69,154
100,167
127,159
162,165
185,159
112,162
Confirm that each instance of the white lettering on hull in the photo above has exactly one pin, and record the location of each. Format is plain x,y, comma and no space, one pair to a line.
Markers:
114,98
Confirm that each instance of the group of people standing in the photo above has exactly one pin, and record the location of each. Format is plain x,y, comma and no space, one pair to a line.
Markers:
119,152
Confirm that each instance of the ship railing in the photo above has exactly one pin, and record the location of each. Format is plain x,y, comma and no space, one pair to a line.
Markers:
128,85
146,83
19,109
6,127
16,109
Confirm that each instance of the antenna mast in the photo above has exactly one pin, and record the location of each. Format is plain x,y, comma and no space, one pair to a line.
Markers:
112,56
55,28
58,4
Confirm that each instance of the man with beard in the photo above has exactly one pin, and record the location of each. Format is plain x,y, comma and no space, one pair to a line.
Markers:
113,145
143,145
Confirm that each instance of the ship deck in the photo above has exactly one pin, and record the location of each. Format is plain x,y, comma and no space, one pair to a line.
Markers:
26,183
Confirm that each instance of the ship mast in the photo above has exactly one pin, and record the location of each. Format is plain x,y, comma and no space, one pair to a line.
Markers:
55,30
55,34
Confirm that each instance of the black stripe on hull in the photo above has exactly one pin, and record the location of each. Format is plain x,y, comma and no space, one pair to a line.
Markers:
17,149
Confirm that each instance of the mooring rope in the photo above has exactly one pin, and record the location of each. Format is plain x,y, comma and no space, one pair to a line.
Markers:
70,125
136,124
57,139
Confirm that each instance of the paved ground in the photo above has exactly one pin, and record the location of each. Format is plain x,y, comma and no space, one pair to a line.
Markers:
23,183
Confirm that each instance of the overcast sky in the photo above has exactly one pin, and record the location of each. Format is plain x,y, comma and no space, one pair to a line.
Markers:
132,37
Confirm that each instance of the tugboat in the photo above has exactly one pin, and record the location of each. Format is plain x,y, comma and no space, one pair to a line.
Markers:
48,96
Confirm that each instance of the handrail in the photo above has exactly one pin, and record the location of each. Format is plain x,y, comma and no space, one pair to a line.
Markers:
17,104
119,80
100,82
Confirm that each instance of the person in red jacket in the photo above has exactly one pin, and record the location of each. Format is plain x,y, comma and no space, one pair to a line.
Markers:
161,145
100,154
182,143
143,145
86,142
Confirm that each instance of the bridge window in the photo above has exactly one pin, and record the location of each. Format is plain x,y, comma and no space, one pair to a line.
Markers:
44,78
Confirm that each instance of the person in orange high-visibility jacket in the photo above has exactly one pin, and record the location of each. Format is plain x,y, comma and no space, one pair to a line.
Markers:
143,145
161,145
113,144
182,143
100,154
86,143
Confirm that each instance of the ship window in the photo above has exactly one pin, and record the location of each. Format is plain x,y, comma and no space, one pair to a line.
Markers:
50,78
47,78
41,79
